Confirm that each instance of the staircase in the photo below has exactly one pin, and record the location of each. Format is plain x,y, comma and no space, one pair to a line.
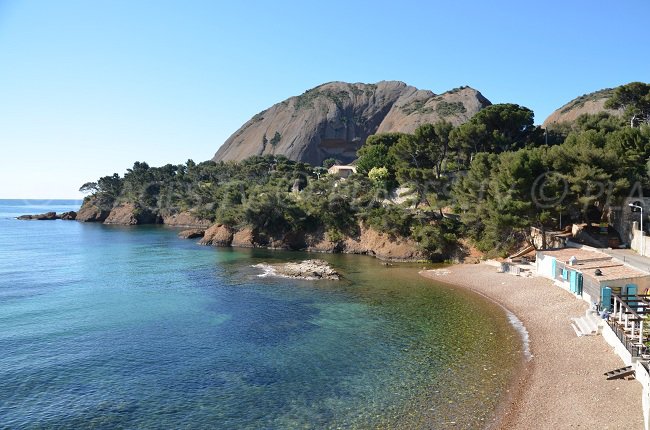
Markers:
619,373
587,325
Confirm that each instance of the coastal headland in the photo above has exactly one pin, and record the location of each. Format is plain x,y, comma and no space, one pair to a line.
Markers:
562,386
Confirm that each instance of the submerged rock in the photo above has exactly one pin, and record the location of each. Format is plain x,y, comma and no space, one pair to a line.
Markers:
307,269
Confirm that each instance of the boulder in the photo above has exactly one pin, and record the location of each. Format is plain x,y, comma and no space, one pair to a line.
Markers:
218,235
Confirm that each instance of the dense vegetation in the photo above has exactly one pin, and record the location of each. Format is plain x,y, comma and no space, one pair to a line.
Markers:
489,180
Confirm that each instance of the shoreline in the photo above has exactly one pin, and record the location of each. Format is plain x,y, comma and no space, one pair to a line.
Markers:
562,385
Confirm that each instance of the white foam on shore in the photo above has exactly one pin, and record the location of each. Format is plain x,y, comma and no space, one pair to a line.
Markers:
523,333
516,324
267,270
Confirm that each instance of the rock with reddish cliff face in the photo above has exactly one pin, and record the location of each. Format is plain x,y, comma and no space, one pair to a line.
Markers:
92,211
185,219
130,214
192,233
218,235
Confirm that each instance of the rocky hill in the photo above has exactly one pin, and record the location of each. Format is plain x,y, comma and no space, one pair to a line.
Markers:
333,120
589,103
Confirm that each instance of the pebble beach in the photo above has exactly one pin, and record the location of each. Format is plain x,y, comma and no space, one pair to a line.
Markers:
562,386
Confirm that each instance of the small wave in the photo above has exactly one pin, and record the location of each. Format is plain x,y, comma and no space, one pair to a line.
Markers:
267,270
523,333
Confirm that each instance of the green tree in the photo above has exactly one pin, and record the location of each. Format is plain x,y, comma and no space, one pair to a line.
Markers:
276,139
495,129
375,153
634,100
419,158
329,162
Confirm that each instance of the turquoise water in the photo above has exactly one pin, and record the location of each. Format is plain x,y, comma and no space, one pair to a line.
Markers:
131,327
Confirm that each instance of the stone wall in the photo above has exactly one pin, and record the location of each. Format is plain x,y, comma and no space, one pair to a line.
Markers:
621,218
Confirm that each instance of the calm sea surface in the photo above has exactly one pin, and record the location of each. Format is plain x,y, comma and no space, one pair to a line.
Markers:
131,327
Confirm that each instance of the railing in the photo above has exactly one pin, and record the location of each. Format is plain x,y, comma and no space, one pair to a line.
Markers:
633,348
627,321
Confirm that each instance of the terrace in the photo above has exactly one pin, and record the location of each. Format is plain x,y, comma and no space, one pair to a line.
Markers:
630,323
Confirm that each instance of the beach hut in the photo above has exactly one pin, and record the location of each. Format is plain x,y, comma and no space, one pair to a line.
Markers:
587,273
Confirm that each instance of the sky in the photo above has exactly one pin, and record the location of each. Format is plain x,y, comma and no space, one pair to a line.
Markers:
89,87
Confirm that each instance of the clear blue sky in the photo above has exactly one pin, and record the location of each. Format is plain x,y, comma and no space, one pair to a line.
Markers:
88,87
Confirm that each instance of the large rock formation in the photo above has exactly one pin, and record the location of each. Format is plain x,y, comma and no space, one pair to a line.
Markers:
185,219
333,120
367,242
586,104
92,211
130,214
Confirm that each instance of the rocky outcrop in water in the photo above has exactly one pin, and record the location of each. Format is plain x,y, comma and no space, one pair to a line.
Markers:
193,233
333,120
307,269
218,235
48,216
69,216
134,214
92,211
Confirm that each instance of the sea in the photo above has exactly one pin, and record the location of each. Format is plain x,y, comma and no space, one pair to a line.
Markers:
107,327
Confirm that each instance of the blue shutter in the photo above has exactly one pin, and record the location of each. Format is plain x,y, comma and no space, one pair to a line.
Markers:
606,298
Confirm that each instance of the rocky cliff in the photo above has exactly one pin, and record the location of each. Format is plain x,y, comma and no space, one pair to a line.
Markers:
333,120
133,214
586,104
366,242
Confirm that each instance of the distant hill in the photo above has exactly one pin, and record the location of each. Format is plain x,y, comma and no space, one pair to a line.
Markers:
333,120
589,103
